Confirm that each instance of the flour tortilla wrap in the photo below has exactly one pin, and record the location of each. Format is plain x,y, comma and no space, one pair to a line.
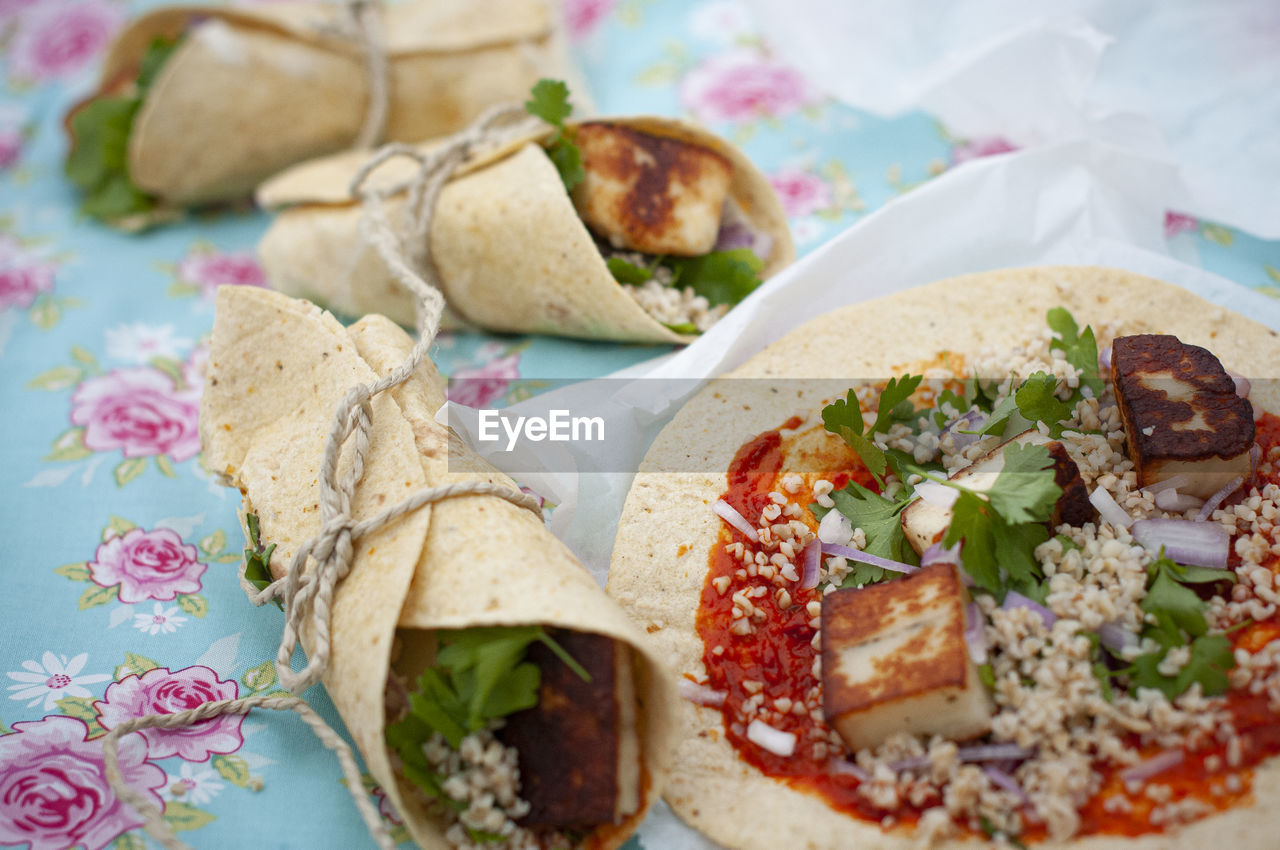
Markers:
659,581
253,90
512,253
277,369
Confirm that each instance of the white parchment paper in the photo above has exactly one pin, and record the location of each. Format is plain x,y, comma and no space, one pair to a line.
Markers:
1194,82
1075,203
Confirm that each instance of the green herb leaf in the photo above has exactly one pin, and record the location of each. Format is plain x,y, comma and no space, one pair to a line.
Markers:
549,100
880,521
843,417
567,159
895,402
1079,349
628,273
686,328
1036,401
257,560
722,277
1167,598
1024,491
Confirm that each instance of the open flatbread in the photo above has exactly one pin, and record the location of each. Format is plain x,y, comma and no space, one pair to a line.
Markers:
1057,759
277,370
249,91
511,250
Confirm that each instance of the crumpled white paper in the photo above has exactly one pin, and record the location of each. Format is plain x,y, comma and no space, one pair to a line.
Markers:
1075,203
1196,82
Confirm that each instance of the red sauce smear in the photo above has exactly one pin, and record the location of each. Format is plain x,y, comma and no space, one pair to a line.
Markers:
779,654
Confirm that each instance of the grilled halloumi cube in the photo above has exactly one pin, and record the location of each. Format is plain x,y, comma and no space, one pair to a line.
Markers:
649,193
894,659
925,523
1181,413
579,746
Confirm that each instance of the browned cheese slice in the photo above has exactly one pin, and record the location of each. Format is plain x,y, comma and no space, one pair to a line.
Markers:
649,193
894,659
1181,413
578,746
925,524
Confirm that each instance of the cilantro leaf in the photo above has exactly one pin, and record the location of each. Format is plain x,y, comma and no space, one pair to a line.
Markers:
1080,349
1025,491
895,402
1005,418
879,519
722,277
98,161
1211,659
1036,401
971,522
1175,603
549,100
257,559
687,328
843,417
628,273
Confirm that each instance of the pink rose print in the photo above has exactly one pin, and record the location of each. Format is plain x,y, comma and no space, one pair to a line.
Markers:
583,16
479,385
160,692
147,565
58,39
978,148
53,786
139,411
1175,223
23,275
210,269
10,9
742,85
10,147
801,193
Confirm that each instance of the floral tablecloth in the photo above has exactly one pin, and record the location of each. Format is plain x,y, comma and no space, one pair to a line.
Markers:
119,594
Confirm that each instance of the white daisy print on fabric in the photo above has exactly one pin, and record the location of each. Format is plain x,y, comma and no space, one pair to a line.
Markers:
195,785
53,678
139,343
161,620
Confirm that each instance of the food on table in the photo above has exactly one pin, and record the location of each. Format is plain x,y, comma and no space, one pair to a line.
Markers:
632,229
1128,644
490,684
198,104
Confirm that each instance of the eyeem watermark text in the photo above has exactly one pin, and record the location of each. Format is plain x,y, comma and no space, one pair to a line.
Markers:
557,427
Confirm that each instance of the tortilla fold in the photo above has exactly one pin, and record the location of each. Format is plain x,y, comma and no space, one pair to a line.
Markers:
512,253
711,787
277,370
251,91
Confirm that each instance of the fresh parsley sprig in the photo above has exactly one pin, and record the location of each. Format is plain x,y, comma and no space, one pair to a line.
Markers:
880,520
843,417
1079,348
257,558
549,101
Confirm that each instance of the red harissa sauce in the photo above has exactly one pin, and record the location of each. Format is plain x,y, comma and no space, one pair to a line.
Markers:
780,654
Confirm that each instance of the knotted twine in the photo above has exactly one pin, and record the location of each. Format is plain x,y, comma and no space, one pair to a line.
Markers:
307,594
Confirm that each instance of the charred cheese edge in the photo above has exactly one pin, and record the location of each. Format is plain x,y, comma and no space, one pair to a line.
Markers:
1181,413
579,746
648,193
894,659
924,523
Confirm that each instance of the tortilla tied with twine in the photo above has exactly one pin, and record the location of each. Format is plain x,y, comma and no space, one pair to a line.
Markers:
512,253
251,91
277,368
710,786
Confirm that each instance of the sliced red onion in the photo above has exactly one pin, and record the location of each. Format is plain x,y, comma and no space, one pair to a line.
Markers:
994,752
812,564
1173,482
1104,359
938,495
937,554
1003,780
1172,500
701,694
730,514
1242,384
1255,459
1148,768
1013,599
774,740
912,763
1107,507
1116,637
1204,544
1219,497
975,634
844,767
862,557
835,528
971,421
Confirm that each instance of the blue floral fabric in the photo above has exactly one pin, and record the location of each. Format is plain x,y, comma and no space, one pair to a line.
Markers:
119,593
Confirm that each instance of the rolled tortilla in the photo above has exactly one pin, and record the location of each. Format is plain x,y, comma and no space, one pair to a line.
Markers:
277,369
512,253
251,91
